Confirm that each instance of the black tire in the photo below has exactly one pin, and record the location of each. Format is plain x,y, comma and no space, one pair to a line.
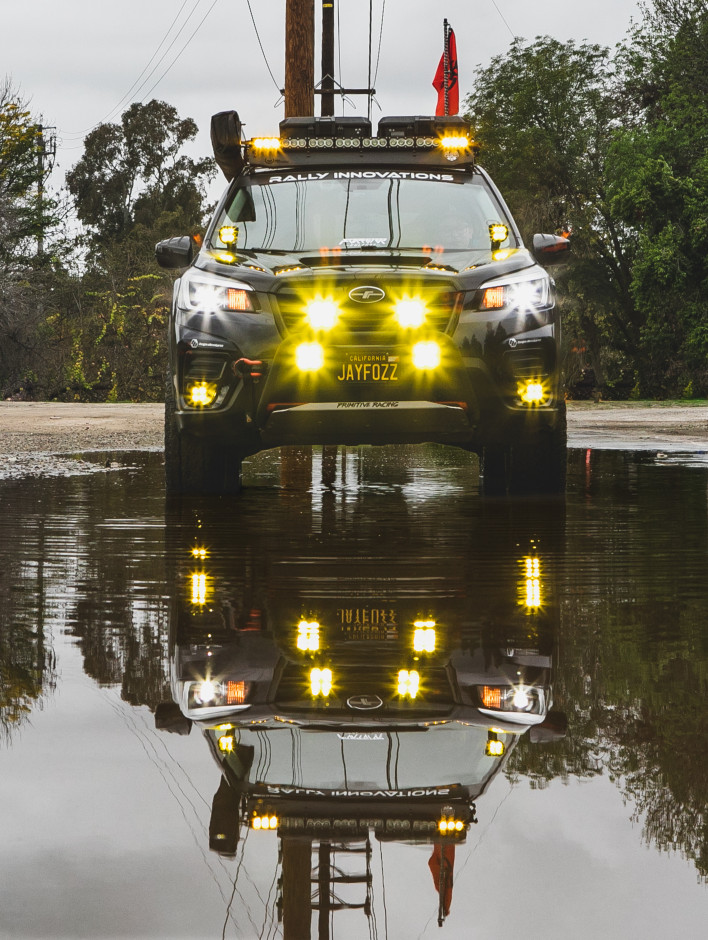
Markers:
195,465
539,459
495,461
533,464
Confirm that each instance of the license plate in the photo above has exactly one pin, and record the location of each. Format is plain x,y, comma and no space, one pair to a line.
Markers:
368,368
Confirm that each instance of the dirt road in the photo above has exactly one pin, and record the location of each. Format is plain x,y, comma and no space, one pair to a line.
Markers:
33,433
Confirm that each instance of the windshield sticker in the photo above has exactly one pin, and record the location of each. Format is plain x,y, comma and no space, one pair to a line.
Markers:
314,175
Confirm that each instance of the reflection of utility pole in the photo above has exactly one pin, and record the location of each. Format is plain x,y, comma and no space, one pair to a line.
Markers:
46,152
327,86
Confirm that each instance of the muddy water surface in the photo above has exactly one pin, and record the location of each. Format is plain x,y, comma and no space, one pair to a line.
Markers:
129,790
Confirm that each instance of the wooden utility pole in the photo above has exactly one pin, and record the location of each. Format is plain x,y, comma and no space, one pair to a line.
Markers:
299,58
327,86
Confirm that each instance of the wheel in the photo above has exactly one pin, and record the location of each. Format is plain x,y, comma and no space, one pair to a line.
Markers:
533,464
197,465
495,461
538,459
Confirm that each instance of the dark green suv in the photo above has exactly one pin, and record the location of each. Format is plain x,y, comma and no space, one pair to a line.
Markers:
361,289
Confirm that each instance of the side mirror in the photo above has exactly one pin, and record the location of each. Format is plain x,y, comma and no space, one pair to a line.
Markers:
551,249
168,717
175,252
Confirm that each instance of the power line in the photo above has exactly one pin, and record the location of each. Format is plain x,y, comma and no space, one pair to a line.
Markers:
494,4
72,134
265,58
378,53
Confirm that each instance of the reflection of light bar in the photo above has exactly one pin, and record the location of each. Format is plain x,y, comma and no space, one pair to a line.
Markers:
532,583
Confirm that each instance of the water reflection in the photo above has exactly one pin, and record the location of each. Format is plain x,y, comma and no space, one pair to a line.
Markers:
352,693
476,660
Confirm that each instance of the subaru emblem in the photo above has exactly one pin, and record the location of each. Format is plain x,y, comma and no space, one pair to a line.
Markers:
364,703
367,294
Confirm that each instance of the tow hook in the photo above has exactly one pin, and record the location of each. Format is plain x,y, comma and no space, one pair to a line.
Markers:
250,368
251,371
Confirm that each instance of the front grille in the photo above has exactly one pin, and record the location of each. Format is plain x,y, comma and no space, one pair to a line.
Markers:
360,318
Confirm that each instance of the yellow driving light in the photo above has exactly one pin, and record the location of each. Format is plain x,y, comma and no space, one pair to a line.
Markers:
498,233
308,636
424,636
494,747
531,393
199,552
454,143
202,394
410,313
228,234
309,357
426,355
322,313
226,743
532,581
321,681
266,143
450,825
408,683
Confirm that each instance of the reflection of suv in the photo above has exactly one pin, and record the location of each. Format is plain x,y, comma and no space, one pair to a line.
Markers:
359,289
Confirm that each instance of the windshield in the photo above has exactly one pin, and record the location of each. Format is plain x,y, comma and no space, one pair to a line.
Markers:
340,210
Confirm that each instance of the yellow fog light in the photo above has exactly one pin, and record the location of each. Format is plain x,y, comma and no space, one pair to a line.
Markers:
494,747
322,313
531,393
410,313
308,636
228,234
408,683
426,355
202,394
309,357
321,681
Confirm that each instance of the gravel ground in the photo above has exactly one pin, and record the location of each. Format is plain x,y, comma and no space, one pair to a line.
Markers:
49,439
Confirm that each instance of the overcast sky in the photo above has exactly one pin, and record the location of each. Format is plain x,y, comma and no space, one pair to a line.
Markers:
83,63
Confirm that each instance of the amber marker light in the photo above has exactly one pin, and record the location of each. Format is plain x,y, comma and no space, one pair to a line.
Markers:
269,144
426,355
491,697
410,312
493,298
454,143
322,314
309,357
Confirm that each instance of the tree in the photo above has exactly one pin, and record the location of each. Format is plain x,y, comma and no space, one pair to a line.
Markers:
25,211
132,186
659,189
545,114
134,175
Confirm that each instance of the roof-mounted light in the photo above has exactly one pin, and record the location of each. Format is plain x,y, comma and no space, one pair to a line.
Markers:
266,144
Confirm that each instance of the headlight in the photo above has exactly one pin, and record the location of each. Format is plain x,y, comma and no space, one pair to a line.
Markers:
212,294
212,693
516,293
515,699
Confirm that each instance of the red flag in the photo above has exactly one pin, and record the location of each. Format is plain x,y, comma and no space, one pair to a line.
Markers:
453,93
441,864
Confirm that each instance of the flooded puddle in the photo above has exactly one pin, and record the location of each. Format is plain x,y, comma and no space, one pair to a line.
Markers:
356,701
